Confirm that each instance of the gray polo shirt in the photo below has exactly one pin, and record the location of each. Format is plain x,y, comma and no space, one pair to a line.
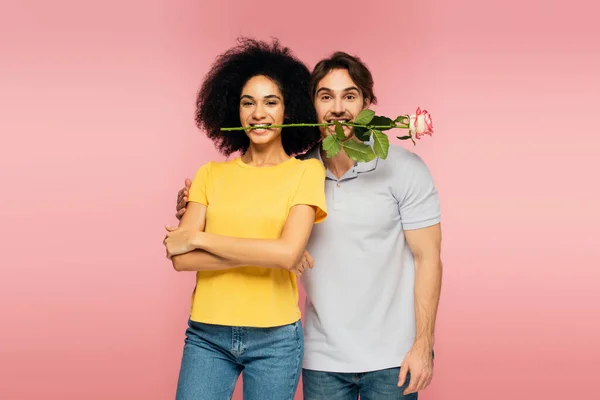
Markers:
359,313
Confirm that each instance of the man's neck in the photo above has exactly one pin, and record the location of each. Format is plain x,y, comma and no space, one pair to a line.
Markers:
338,164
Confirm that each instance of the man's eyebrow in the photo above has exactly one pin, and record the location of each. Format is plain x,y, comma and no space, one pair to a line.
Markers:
324,89
348,89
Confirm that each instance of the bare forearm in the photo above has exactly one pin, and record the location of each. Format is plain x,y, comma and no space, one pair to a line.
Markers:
428,282
200,260
275,253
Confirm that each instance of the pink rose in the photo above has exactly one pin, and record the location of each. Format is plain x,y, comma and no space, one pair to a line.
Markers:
420,124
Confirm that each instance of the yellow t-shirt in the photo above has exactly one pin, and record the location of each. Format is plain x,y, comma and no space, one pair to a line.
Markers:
252,202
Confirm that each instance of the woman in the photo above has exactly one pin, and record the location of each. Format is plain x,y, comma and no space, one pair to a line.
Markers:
246,226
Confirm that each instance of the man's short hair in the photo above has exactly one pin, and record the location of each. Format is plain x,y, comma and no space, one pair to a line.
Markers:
356,68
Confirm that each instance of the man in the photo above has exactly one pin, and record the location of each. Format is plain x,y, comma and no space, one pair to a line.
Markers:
372,299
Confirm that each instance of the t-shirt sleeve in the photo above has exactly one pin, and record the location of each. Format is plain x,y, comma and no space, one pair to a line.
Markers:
199,186
311,189
418,200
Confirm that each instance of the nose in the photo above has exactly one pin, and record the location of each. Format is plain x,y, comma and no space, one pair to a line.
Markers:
338,106
259,112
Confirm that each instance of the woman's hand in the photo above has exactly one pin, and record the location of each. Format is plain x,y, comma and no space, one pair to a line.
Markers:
179,241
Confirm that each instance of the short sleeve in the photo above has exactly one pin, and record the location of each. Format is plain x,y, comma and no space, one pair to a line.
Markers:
199,186
418,200
311,188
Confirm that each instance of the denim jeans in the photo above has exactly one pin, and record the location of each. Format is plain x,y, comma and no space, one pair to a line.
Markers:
269,359
376,385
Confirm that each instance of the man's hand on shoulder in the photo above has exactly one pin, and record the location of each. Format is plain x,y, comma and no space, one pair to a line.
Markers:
182,198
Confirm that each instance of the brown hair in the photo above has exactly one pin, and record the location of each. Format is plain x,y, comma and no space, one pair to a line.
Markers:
357,70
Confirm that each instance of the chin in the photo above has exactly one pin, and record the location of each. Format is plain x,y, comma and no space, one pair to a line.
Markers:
263,138
326,132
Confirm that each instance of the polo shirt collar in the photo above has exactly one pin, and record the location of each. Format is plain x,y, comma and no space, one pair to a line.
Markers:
315,152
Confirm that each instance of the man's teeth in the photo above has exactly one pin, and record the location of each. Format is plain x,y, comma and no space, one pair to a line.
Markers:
341,120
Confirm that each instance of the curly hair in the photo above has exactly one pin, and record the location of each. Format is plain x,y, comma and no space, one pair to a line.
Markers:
218,100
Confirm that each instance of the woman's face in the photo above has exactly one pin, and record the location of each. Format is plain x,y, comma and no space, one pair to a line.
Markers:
261,105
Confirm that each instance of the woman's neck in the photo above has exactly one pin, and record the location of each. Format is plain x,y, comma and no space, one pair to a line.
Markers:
264,156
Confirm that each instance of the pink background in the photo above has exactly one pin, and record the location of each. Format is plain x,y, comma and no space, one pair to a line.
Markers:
96,105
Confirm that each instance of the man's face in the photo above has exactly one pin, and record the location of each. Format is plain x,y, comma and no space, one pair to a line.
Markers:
338,98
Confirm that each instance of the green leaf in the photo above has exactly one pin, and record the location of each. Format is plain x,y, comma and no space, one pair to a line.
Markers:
331,145
360,152
339,131
364,117
363,134
381,144
381,121
403,119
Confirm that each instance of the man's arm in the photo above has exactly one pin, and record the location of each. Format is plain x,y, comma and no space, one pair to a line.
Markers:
182,199
425,244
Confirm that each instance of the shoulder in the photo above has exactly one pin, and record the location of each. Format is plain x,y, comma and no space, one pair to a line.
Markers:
313,152
405,171
204,169
398,155
312,165
211,166
211,169
400,159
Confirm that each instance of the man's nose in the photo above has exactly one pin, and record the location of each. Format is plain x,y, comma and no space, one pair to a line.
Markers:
338,106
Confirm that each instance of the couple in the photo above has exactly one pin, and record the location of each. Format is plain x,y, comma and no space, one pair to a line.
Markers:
251,225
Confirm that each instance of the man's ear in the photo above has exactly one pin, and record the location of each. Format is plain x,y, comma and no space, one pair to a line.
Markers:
367,103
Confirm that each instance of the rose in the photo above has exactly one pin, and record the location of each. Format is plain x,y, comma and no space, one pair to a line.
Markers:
420,124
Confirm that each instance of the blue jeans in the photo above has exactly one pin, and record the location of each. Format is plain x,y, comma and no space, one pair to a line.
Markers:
376,385
269,359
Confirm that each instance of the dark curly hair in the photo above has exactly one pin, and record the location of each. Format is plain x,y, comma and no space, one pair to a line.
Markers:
218,101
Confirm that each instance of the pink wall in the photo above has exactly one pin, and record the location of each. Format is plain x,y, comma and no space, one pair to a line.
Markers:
97,136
